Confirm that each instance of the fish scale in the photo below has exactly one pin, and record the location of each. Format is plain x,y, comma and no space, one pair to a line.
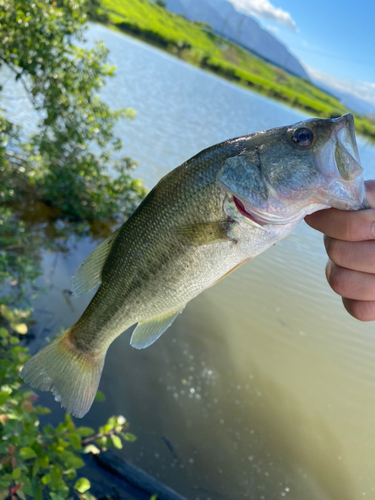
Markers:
203,220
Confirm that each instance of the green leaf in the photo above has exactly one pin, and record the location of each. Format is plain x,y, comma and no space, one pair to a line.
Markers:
43,461
16,474
27,453
75,440
7,313
36,469
116,441
27,488
41,410
102,441
99,397
154,497
62,494
82,485
69,422
4,397
3,333
56,477
21,495
38,492
85,431
70,474
46,479
71,460
128,436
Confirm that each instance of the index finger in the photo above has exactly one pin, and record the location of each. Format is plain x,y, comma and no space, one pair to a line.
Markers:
347,226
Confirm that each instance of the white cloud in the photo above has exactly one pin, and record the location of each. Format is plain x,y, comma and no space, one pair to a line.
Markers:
274,29
265,9
359,89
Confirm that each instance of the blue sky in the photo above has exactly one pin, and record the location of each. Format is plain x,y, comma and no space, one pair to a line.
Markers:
334,36
330,36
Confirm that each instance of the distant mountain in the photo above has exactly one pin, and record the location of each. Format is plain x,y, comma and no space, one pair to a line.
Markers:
349,100
239,28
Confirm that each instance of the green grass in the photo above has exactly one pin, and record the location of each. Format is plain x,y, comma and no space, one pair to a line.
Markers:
195,43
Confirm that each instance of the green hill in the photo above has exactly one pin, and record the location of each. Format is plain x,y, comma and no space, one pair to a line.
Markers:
196,43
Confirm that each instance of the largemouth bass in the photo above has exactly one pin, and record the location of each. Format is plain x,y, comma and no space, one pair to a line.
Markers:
203,220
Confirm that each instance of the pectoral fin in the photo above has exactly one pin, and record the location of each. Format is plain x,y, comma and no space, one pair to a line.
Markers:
147,332
204,233
89,273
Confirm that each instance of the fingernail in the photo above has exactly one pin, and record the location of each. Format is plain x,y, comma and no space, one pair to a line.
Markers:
373,229
328,268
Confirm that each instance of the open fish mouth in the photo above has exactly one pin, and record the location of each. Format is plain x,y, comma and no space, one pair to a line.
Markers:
339,161
261,218
242,210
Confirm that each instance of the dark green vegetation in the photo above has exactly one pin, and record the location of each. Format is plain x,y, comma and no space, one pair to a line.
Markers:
54,188
41,462
196,43
65,164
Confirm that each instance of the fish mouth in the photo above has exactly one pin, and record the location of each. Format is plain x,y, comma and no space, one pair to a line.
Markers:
262,219
340,163
242,210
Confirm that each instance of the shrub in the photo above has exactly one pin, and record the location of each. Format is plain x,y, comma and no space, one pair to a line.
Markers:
41,463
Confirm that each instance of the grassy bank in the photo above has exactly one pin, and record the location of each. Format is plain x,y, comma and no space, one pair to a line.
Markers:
197,44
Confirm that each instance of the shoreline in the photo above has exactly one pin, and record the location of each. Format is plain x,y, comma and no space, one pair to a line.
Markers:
324,107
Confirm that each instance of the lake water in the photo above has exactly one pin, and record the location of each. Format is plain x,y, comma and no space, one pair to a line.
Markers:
264,388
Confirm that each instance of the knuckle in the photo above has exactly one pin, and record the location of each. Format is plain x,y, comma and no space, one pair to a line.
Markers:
337,279
362,311
351,229
356,310
359,226
333,249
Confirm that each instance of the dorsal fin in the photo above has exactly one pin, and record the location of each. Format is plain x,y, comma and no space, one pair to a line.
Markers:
89,273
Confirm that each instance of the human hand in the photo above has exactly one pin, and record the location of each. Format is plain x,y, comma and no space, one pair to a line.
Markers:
350,244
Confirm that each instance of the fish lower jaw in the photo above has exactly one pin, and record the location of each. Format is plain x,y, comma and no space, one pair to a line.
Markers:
240,207
268,219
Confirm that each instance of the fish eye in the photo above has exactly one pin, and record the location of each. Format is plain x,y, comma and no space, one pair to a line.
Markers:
302,136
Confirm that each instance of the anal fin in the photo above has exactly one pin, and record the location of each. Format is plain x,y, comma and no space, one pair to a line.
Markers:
147,332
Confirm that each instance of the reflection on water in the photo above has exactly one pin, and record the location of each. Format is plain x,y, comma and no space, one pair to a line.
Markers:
264,387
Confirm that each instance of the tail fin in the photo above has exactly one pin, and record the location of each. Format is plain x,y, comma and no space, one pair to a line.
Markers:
71,375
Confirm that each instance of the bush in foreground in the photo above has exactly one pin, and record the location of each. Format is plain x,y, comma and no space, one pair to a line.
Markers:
41,463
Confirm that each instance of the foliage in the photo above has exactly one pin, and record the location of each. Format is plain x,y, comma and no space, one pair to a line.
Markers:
58,175
66,164
95,12
161,3
41,463
17,267
202,47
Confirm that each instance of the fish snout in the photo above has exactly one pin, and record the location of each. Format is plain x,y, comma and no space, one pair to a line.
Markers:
346,149
339,161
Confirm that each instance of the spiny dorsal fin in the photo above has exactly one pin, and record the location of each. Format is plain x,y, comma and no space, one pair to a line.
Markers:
89,273
204,233
147,332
